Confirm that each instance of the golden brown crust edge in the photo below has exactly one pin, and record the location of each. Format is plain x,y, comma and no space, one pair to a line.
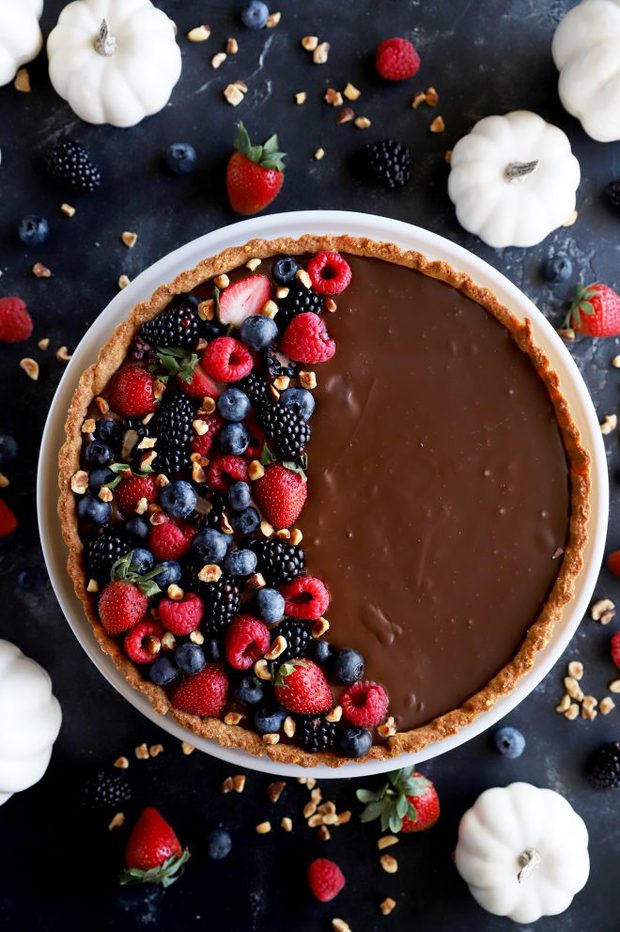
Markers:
112,355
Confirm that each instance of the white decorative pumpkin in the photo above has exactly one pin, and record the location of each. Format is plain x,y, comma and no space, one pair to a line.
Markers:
29,721
586,51
523,851
114,61
20,35
513,179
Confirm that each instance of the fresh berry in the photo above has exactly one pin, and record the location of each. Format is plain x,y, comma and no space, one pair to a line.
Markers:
604,767
218,844
259,332
348,666
233,404
355,742
320,651
557,269
170,540
132,490
365,704
202,443
174,432
224,469
286,428
139,641
299,300
245,522
33,230
301,687
142,561
153,853
509,742
93,510
69,163
297,635
190,658
386,163
284,270
132,392
256,388
612,193
270,605
212,650
9,450
107,430
163,672
106,790
306,597
613,563
278,561
254,174
407,803
178,499
255,14
279,364
306,340
205,693
221,600
233,439
98,453
137,527
268,719
240,562
121,606
316,733
280,494
329,272
242,300
97,478
169,572
247,639
239,496
102,550
210,545
199,386
181,158
300,400
325,879
615,648
227,360
181,616
15,321
397,60
249,690
595,312
177,326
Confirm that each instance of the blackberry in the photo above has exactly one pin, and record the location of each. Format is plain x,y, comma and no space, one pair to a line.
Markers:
386,163
106,790
102,551
278,561
221,604
69,163
136,423
316,733
605,766
286,428
256,388
173,429
612,193
214,516
275,366
298,636
298,300
176,326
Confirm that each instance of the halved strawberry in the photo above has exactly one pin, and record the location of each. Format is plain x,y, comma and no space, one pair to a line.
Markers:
244,299
201,385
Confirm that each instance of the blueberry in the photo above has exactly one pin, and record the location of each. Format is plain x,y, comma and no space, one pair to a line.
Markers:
8,450
169,572
509,741
210,545
163,671
218,844
178,499
255,14
320,651
234,439
233,404
142,560
348,666
557,269
33,230
258,331
355,742
270,605
211,648
93,509
239,495
181,158
240,563
190,658
245,522
99,477
249,691
106,429
137,526
300,399
284,270
268,721
98,453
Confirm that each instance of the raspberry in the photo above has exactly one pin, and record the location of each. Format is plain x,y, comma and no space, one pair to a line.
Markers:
615,648
132,490
306,340
325,878
170,540
227,360
182,616
613,563
247,639
306,597
330,273
134,641
132,392
202,444
203,694
8,521
364,704
223,469
397,60
15,321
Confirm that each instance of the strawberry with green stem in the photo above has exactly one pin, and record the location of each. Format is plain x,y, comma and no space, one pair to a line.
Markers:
407,803
254,174
595,311
153,853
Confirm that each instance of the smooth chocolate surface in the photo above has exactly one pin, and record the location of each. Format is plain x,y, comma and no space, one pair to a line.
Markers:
438,488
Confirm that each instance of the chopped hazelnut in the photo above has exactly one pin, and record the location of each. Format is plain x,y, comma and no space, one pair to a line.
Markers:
218,59
187,748
321,53
345,115
263,828
575,669
386,841
199,33
141,752
275,790
333,97
256,470
309,43
387,905
210,573
362,122
438,125
44,343
300,97
30,367
603,610
129,239
232,46
351,92
609,424
238,782
606,705
117,821
319,154
41,271
67,209
233,94
286,824
122,763
79,482
22,81
388,863
271,739
273,19
123,281
253,264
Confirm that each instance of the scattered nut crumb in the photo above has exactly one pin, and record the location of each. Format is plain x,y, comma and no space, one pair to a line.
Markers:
286,824
307,380
123,281
117,821
430,97
319,627
22,81
156,749
256,470
197,637
41,271
362,122
4,481
603,610
130,239
296,536
335,715
351,92
345,115
606,705
30,367
273,19
321,53
93,586
333,97
141,752
232,46
567,334
232,718
572,712
616,362
63,354
339,925
271,739
122,763
319,154
270,309
199,33
438,125
563,704
589,713
300,97
79,482
387,905
447,156
218,59
253,264
309,43
575,669
610,423
233,94
388,728
67,209
386,841
44,343
275,790
388,863
261,669
210,573
263,828
227,785
187,748
221,281
573,688
614,686
302,276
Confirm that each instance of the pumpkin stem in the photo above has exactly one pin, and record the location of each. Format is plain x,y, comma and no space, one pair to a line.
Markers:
517,171
528,862
105,43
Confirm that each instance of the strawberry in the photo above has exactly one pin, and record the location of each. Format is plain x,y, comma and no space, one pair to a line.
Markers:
247,639
397,60
132,393
124,601
306,598
202,443
613,563
130,491
306,339
244,299
170,540
300,686
280,494
142,643
364,704
595,312
200,385
227,360
615,648
407,803
203,694
8,521
254,174
15,321
183,615
325,879
153,853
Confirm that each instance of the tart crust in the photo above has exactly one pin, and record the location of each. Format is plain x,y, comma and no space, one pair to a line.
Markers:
111,356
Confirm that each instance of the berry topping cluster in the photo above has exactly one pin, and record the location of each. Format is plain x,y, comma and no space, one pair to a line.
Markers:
193,477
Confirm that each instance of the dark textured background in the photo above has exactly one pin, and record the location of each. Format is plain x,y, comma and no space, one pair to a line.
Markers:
57,865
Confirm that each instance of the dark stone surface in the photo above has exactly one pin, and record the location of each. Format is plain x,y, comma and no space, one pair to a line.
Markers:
58,866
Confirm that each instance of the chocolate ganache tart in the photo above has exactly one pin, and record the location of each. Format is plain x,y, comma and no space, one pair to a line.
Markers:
323,499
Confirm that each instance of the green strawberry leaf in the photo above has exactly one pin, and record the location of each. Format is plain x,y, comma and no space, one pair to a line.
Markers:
165,873
372,811
367,796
